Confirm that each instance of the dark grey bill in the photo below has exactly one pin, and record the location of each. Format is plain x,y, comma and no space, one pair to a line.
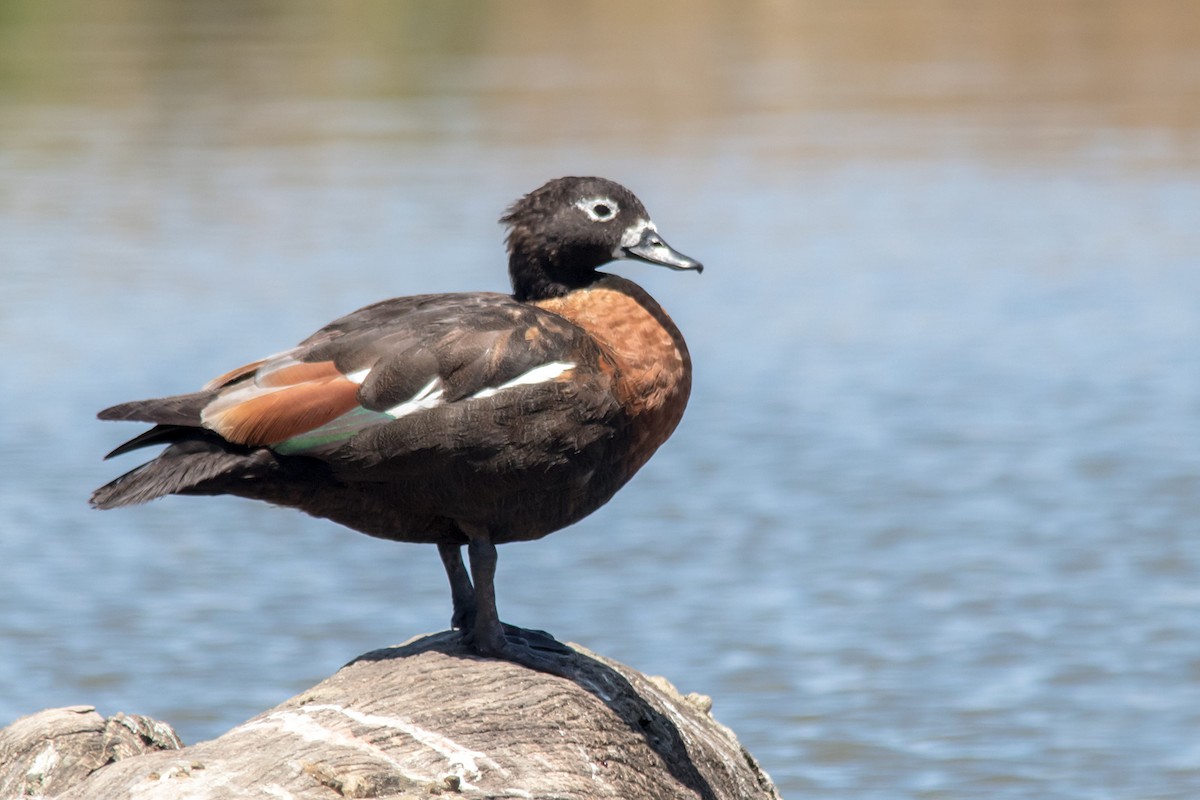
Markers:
652,249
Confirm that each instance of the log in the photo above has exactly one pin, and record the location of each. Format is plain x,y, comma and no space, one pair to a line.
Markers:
47,753
417,720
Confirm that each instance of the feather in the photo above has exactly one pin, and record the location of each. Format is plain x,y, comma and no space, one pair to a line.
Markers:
277,414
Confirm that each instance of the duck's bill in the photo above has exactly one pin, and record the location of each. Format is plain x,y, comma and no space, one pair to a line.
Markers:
652,249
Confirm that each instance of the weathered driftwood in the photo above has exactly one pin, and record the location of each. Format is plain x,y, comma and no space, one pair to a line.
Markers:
49,752
425,718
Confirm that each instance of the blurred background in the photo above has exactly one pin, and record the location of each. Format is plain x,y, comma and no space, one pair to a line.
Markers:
930,526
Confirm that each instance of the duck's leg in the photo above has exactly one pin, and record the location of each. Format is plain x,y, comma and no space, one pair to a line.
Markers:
462,593
489,636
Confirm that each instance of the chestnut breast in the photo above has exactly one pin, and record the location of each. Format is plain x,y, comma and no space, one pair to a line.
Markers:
651,361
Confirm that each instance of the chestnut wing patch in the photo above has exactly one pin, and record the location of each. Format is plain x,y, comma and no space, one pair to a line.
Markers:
280,402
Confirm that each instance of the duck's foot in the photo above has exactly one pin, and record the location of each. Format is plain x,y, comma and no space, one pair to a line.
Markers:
538,640
536,650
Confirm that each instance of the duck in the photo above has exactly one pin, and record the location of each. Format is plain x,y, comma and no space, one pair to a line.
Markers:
462,420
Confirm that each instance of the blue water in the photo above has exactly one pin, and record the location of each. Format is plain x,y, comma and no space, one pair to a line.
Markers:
930,526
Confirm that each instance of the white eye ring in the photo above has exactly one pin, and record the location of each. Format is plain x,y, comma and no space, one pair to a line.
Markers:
599,209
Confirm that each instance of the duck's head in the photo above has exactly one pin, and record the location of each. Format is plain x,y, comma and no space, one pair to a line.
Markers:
562,232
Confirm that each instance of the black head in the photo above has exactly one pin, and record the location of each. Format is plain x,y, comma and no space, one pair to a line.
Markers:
560,233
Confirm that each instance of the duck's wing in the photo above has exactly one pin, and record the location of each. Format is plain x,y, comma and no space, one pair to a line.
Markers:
392,360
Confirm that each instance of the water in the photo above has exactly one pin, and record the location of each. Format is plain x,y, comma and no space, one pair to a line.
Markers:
929,528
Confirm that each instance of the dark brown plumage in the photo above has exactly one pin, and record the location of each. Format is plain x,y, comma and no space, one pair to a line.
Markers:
455,419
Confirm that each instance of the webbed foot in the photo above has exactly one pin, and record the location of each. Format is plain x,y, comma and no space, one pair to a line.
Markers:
536,650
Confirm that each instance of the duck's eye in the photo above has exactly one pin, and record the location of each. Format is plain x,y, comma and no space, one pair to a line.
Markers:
599,209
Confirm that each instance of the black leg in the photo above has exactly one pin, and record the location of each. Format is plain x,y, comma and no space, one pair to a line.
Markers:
489,636
462,592
488,633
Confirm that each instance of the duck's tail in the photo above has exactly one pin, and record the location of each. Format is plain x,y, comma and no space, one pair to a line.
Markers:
195,455
187,464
